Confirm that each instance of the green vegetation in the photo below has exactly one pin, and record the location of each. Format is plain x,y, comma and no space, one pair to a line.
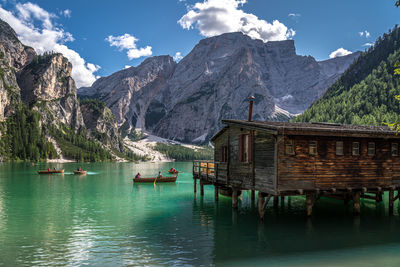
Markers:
77,145
23,138
365,93
182,153
96,105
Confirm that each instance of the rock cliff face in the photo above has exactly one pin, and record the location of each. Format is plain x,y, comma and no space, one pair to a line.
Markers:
186,101
13,57
47,83
100,121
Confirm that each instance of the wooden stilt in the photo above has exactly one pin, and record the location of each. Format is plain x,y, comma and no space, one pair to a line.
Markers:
216,193
346,199
379,197
356,203
276,201
234,198
282,200
195,186
391,201
261,200
253,196
310,198
201,188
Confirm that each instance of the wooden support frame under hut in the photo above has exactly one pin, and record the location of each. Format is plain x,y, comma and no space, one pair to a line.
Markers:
280,159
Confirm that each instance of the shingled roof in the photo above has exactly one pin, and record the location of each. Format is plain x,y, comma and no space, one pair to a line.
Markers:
332,128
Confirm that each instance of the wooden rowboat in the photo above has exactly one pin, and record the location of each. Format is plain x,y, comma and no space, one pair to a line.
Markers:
170,179
80,172
50,172
173,172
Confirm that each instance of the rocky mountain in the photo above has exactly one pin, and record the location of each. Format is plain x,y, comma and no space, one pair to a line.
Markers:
185,101
40,114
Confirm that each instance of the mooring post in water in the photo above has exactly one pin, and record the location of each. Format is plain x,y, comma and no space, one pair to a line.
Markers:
282,200
253,196
310,198
216,193
234,198
201,188
276,201
261,205
356,203
391,201
195,185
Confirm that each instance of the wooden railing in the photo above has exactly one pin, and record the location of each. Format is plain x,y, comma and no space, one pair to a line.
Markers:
203,168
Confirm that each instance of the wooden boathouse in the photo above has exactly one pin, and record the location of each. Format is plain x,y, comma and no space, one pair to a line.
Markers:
280,159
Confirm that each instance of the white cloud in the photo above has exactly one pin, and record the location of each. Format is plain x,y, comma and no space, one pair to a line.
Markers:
214,17
365,33
178,56
48,37
340,53
127,67
294,15
368,44
128,42
67,13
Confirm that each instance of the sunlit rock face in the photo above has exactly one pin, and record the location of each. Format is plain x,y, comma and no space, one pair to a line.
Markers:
186,101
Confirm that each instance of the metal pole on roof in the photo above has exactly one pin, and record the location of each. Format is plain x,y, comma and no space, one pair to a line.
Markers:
251,99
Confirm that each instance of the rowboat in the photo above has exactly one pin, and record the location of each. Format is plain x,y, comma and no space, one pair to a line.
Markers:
227,191
170,179
50,172
80,172
173,172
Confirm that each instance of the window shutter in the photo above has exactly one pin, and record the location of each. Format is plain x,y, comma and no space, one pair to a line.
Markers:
241,148
250,152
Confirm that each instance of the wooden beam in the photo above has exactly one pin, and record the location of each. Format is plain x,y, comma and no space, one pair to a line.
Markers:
310,199
253,196
276,201
356,203
364,189
391,201
300,191
333,190
195,186
201,188
261,205
216,193
234,198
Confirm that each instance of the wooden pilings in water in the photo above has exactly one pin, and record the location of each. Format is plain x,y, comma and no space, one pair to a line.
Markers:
356,203
216,193
235,198
195,186
310,200
201,188
391,201
262,204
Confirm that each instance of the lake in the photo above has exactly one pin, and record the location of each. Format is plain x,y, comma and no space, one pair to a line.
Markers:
103,219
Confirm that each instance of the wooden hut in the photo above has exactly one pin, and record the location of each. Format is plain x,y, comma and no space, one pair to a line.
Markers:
281,159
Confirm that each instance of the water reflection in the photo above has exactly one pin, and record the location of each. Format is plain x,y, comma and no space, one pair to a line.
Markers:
105,219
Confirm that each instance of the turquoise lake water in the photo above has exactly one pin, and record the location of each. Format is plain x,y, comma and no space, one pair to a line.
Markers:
103,219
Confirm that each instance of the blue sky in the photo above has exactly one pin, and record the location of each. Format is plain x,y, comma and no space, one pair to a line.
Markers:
97,35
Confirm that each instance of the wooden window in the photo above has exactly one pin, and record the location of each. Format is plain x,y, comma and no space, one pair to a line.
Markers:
246,148
356,149
395,149
339,148
312,147
223,156
289,147
371,148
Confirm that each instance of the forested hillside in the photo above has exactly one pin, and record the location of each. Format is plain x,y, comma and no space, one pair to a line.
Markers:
365,93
